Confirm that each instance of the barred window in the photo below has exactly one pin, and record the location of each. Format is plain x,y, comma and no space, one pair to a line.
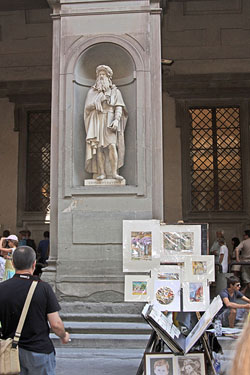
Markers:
38,161
215,159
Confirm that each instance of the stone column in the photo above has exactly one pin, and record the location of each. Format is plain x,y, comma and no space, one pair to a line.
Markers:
50,274
86,221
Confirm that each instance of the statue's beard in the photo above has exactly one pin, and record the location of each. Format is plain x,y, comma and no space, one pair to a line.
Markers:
102,84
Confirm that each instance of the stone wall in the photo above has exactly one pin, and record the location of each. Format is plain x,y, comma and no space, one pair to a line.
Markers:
25,75
86,221
209,44
25,45
8,167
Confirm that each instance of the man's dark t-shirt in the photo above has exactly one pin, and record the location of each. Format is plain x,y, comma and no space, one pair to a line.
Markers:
35,333
225,294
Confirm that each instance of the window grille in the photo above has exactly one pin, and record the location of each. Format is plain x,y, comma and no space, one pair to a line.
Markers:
215,159
38,161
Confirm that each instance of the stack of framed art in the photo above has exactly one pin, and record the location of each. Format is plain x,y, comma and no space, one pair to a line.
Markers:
167,265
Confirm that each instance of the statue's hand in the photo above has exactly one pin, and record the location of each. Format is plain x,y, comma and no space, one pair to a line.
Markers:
114,125
98,102
98,106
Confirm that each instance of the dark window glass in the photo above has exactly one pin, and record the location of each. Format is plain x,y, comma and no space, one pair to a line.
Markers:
215,159
38,161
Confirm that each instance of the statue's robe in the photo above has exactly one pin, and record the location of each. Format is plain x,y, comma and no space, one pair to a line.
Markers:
98,133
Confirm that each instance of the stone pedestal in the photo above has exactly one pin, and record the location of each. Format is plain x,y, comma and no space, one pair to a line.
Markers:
105,182
86,220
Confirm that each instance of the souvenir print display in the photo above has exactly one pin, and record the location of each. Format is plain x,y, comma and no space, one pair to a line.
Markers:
199,268
171,335
195,295
167,288
141,250
138,288
179,240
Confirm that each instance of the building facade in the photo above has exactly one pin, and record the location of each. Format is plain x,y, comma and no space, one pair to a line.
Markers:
187,138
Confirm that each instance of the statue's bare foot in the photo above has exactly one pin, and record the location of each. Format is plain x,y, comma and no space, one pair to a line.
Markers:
101,177
118,177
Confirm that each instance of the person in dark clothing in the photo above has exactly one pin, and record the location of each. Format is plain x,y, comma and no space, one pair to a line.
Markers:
6,233
231,310
29,241
43,248
36,350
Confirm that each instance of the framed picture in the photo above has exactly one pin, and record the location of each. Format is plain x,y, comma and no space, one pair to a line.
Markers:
159,363
138,288
167,288
141,246
178,240
195,295
190,364
199,268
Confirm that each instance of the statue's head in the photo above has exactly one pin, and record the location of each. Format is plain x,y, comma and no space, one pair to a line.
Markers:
106,69
103,78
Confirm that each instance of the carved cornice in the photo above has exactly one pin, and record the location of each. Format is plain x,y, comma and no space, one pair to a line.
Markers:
225,85
53,3
26,90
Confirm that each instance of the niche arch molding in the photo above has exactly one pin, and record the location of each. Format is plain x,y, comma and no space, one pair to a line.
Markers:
76,78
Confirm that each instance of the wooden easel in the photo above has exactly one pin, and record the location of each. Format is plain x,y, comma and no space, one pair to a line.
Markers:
156,344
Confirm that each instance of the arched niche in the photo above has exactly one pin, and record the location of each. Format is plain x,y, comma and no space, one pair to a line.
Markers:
124,76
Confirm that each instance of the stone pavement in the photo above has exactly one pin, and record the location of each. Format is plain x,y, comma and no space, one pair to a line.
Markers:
111,361
81,361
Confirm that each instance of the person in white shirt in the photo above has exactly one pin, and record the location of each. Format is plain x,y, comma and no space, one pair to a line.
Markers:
223,255
215,249
2,267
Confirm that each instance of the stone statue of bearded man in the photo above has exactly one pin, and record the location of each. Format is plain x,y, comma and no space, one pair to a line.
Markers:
105,118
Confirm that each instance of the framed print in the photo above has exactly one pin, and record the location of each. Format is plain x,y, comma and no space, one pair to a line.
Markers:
141,247
178,240
138,288
199,268
190,364
159,364
167,288
195,295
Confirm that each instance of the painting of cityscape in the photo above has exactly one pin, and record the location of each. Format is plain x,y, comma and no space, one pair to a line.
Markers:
141,245
183,241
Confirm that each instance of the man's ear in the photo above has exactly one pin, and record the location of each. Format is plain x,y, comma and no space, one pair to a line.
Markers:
34,265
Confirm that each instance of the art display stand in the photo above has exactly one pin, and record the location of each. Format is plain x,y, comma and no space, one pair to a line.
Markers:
165,333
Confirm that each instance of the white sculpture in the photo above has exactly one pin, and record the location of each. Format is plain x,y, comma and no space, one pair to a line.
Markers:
105,118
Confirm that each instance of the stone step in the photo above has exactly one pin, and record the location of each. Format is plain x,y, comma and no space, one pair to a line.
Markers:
84,361
99,308
102,325
117,341
93,317
107,327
